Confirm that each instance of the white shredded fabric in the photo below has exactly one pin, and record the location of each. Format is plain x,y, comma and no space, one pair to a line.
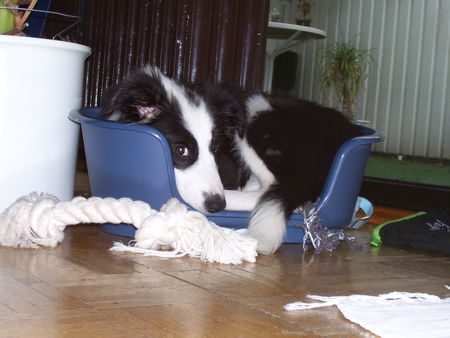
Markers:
322,239
40,219
395,314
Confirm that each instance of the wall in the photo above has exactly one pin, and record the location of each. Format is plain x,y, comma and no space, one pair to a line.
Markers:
407,94
191,40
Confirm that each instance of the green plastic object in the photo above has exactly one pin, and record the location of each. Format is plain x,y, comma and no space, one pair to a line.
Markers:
376,238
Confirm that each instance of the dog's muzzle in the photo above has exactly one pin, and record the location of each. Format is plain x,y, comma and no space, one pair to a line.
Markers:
214,203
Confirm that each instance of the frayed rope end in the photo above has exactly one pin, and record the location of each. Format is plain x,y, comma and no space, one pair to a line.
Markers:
25,225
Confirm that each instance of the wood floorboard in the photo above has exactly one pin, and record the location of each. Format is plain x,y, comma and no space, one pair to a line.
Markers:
80,289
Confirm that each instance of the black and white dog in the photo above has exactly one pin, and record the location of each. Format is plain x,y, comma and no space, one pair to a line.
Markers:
235,150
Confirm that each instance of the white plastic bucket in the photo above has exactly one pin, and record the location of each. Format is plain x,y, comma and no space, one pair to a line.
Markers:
41,81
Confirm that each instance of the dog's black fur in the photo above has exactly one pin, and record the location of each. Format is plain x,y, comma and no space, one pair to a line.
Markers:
297,141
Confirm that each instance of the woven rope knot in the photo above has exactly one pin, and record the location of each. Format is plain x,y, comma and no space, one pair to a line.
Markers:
40,219
25,224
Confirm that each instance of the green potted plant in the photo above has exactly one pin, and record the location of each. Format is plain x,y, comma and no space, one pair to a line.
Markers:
12,22
345,67
304,9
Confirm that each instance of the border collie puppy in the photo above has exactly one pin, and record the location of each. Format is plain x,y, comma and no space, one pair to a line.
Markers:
200,132
260,153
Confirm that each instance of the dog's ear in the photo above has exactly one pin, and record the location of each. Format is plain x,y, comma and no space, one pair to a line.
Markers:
228,102
139,98
237,111
148,113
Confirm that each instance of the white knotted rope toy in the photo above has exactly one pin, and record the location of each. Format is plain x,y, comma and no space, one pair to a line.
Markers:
40,219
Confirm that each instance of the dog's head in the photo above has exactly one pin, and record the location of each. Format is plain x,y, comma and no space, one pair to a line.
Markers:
190,123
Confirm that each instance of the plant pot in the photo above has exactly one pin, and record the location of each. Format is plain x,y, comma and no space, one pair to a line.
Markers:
41,82
303,22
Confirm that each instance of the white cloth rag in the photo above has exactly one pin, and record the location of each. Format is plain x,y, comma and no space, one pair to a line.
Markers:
395,314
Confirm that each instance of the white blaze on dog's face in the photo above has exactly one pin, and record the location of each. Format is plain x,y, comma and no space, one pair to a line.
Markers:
149,97
198,183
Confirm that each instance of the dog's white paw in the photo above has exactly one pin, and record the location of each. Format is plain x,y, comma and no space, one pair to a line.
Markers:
241,200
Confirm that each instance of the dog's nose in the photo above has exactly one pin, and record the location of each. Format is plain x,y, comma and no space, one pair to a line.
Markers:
214,203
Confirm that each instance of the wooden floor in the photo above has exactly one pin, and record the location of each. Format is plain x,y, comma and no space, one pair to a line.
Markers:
80,289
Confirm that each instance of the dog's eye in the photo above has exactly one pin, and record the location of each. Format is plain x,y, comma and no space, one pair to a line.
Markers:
182,150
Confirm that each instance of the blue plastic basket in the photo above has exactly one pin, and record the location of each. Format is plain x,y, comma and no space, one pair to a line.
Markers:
133,160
